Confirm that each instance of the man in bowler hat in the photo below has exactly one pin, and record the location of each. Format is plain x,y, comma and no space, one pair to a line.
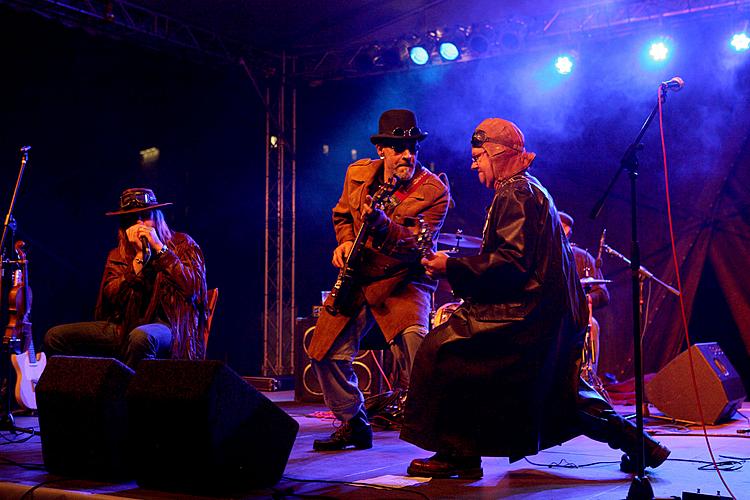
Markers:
390,287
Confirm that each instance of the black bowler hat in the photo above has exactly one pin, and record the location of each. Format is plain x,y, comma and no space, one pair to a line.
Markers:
398,125
137,200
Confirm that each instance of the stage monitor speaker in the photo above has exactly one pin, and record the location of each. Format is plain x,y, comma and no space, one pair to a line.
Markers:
83,418
719,386
306,385
198,427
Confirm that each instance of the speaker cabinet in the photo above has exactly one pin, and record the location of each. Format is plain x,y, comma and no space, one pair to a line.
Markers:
198,427
719,386
306,386
83,418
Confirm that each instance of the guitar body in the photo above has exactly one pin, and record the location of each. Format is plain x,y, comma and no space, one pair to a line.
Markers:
28,371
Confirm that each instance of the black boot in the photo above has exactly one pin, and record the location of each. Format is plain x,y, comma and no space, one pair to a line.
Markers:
356,432
624,436
607,426
446,466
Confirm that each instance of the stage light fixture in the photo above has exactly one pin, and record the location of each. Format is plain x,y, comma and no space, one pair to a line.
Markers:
419,55
449,51
479,38
564,64
740,42
659,50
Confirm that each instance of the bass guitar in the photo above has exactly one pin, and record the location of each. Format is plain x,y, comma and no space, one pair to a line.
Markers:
341,293
28,364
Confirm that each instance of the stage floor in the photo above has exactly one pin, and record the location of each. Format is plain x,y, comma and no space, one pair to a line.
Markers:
325,475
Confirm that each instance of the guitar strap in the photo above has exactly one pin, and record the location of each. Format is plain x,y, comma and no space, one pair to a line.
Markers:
401,193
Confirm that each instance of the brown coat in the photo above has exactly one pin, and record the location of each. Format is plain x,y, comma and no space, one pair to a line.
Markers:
391,281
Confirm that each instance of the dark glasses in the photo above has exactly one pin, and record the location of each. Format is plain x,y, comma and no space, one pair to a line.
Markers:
412,132
136,199
479,137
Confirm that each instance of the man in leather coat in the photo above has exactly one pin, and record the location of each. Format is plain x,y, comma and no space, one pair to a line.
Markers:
152,299
501,376
390,286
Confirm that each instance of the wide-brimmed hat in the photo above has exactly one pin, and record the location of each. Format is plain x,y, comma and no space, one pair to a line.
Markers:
398,125
134,200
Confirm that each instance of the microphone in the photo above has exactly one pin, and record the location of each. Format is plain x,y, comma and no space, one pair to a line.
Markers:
601,247
676,84
146,250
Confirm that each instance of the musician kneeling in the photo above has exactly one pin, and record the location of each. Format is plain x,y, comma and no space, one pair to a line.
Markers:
152,300
389,286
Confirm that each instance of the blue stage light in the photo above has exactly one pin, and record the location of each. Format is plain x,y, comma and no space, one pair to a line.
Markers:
564,65
659,51
448,51
740,42
419,55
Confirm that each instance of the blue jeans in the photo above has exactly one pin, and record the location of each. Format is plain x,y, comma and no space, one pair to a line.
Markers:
100,339
336,373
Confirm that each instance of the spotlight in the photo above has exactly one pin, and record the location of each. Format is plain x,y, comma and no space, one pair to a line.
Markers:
419,55
659,50
740,42
448,51
564,64
479,38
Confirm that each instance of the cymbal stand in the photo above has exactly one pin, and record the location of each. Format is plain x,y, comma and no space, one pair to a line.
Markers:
11,343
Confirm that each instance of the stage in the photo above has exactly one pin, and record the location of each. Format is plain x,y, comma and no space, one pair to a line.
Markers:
585,469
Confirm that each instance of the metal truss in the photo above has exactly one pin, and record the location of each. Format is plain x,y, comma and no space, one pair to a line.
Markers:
126,20
279,303
518,33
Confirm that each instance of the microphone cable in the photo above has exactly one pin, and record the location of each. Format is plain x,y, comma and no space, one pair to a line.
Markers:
682,295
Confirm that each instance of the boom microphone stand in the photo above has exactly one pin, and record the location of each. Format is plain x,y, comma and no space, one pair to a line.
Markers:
11,343
640,487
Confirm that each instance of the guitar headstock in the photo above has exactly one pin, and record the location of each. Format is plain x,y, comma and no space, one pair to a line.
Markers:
424,237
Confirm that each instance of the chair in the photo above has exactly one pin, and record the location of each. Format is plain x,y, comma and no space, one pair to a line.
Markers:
213,297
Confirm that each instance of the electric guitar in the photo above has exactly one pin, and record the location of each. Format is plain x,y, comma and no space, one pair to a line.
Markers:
341,292
28,364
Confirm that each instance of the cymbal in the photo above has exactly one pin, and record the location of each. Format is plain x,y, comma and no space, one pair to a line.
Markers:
458,240
593,281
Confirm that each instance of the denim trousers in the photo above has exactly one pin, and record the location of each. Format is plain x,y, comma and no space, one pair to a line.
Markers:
335,371
100,339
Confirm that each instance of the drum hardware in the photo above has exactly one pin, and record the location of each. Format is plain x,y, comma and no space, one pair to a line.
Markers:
459,240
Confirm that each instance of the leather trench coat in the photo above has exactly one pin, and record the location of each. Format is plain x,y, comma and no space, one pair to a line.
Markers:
390,279
499,378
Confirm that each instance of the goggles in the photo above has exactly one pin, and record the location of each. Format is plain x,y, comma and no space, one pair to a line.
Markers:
479,137
137,199
411,132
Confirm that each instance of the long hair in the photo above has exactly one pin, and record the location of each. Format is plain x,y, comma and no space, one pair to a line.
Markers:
160,224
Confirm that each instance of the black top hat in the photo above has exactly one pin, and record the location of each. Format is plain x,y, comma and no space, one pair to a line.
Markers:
137,200
398,125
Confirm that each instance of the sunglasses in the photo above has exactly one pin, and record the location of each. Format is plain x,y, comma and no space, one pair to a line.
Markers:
401,132
479,137
128,220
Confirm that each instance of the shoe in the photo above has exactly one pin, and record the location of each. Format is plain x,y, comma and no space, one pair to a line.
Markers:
356,432
446,466
655,454
624,436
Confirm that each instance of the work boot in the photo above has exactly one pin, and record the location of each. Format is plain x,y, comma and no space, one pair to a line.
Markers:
446,466
624,436
356,432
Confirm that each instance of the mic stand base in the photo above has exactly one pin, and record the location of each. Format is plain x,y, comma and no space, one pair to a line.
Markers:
8,424
640,489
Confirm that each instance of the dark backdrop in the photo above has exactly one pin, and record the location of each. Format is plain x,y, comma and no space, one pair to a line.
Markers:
88,104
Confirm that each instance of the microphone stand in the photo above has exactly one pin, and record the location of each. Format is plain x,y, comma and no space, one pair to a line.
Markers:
640,487
11,343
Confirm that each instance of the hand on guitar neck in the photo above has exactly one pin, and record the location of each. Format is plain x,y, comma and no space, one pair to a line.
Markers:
433,262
